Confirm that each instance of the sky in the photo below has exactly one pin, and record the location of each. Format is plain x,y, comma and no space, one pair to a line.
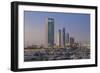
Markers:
76,24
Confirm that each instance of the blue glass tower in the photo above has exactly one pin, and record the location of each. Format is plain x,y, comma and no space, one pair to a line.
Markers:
63,34
59,37
50,32
67,38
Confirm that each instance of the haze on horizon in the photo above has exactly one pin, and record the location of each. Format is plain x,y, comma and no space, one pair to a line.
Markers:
77,25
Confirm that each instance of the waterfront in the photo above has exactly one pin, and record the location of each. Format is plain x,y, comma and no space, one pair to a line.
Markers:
56,54
56,36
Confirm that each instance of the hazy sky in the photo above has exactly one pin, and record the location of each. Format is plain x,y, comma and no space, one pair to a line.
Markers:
77,25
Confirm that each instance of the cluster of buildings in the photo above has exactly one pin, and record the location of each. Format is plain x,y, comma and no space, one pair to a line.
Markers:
64,40
61,51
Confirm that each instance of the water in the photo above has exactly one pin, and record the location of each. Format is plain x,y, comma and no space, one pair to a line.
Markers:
56,54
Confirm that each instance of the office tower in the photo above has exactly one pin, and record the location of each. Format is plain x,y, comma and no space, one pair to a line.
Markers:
67,38
63,37
59,38
71,41
50,32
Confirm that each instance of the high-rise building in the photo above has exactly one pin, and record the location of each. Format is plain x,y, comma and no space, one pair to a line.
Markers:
50,32
67,38
59,38
71,41
63,37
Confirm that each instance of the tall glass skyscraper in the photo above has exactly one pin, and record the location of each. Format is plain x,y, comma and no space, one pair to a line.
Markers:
50,32
67,38
63,34
59,38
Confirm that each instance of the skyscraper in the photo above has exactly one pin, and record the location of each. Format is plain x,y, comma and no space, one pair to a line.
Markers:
71,41
67,38
50,32
63,37
59,38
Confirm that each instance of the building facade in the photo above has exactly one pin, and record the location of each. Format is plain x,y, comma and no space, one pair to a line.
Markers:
59,38
63,37
67,38
50,32
72,41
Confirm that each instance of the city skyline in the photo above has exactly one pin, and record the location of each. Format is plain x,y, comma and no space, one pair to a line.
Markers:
77,25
